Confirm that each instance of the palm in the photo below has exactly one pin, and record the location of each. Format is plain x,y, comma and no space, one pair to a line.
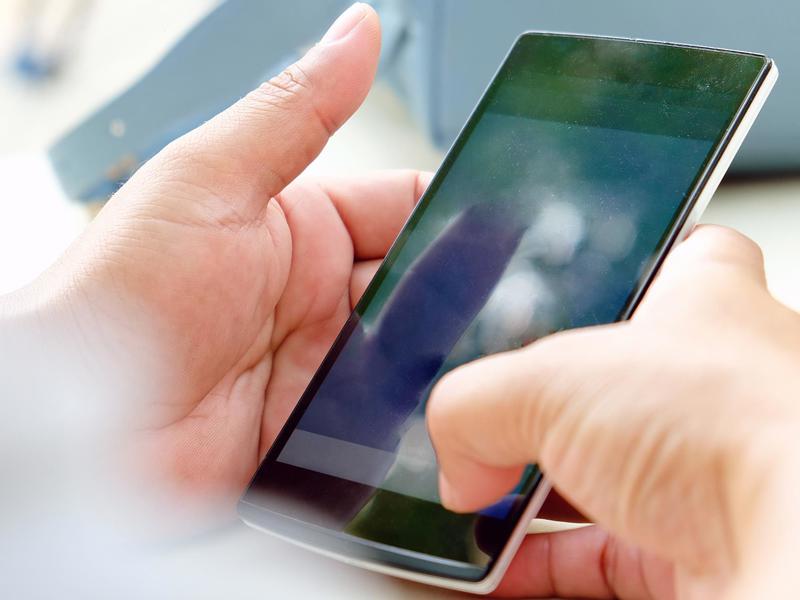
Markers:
244,300
217,287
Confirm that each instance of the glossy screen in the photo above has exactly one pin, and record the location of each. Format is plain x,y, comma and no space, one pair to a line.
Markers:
549,213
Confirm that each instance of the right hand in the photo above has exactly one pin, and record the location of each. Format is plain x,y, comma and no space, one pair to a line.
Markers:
678,432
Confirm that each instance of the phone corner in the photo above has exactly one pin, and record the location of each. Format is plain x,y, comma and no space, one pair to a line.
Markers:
488,584
773,68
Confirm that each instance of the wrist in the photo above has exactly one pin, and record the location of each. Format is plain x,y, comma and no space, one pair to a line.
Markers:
54,353
32,363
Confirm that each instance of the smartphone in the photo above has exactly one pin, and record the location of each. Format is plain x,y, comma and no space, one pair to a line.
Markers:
584,162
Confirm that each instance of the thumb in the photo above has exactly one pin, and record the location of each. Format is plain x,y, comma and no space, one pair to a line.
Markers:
258,145
484,419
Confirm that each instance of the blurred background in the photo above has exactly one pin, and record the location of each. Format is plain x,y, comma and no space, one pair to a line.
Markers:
89,89
92,88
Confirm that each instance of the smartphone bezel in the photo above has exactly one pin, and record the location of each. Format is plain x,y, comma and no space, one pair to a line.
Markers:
433,570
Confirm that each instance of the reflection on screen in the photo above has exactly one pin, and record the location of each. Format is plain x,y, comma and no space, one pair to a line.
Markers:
545,216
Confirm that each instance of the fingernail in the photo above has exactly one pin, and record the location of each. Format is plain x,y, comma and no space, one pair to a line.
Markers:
345,23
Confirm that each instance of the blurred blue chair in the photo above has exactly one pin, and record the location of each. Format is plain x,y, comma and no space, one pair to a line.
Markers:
451,48
438,54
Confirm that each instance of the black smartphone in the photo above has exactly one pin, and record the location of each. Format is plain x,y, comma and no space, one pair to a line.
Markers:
584,162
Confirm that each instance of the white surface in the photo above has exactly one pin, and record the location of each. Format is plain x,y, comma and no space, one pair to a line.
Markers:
120,42
769,213
36,224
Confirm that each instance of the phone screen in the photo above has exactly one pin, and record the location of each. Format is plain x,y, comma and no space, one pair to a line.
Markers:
550,212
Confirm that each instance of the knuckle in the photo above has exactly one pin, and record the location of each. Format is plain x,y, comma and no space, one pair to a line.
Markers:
292,89
284,87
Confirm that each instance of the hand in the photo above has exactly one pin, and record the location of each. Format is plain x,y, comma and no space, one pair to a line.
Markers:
677,432
213,286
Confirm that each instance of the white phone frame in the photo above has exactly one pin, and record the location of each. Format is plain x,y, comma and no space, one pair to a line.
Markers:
708,186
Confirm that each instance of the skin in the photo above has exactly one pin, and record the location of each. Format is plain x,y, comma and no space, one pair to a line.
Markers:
214,281
677,433
205,294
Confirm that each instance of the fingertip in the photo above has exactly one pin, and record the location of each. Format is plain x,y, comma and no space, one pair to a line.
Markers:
468,487
443,417
346,22
296,111
723,245
363,273
439,405
454,384
449,495
345,61
460,497
713,238
424,179
359,25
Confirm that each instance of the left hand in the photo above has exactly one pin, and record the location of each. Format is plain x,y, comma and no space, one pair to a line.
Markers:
214,285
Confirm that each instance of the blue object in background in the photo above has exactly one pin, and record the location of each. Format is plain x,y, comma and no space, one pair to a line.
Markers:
438,54
452,48
29,65
227,54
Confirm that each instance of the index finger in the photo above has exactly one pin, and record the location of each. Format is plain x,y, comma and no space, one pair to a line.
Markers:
374,206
